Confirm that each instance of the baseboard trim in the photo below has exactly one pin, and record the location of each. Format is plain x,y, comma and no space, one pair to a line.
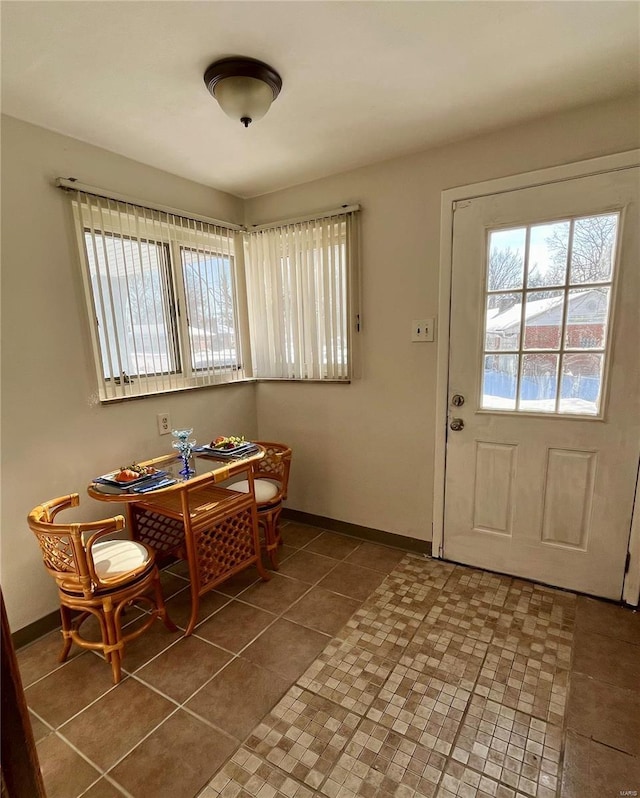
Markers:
36,629
361,532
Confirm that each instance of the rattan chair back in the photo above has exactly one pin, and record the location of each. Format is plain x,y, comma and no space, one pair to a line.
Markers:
274,466
67,553
66,548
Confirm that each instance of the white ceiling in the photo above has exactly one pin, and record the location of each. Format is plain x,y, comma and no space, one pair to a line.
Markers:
362,81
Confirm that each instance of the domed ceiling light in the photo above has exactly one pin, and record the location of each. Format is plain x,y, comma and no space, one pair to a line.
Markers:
244,87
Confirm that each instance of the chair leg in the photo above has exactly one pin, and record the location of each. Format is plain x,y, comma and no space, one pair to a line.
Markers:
113,644
276,527
65,616
271,543
115,666
274,535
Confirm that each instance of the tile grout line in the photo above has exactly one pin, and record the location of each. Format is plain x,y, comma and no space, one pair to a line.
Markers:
331,640
295,684
182,705
271,764
531,715
110,780
229,600
449,757
362,717
140,680
565,718
208,617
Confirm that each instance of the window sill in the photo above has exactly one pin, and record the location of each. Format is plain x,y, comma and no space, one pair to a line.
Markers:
240,381
176,389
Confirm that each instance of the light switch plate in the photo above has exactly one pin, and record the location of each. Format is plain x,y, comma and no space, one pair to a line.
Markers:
422,330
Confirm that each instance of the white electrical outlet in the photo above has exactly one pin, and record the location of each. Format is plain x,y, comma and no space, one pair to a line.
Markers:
164,425
422,329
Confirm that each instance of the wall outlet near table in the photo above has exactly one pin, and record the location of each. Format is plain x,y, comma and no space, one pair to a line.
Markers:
164,424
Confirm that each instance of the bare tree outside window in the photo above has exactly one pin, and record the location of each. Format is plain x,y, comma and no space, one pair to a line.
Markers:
561,301
592,249
592,252
506,270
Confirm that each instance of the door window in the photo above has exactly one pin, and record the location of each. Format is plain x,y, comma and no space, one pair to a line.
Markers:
547,310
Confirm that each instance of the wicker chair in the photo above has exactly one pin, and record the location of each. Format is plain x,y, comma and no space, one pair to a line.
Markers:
271,480
98,578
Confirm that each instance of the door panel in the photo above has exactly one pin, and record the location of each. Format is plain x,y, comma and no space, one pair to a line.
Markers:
545,334
568,491
494,476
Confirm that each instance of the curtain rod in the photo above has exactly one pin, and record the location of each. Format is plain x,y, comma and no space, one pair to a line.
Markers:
71,184
310,218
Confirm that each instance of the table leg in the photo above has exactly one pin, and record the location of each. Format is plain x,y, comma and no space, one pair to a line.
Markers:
192,559
264,574
195,606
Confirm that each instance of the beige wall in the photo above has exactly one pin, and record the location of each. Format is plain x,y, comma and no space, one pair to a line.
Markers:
363,453
54,437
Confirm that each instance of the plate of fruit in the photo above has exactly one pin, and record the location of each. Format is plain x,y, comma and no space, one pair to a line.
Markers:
129,476
228,444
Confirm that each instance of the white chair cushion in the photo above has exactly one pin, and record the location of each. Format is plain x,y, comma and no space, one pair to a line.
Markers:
114,557
265,489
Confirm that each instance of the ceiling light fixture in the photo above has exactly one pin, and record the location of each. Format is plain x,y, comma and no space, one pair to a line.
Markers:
244,87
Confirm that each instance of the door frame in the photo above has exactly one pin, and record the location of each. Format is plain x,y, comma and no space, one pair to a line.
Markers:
554,174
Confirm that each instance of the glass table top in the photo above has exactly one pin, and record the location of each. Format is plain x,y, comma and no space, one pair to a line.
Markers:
168,473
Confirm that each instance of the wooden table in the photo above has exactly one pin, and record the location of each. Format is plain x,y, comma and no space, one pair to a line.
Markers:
213,528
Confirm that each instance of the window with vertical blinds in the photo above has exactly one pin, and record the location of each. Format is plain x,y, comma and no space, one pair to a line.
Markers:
178,302
163,297
302,295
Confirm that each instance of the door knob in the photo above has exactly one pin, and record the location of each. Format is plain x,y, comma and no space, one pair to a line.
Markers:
457,400
456,424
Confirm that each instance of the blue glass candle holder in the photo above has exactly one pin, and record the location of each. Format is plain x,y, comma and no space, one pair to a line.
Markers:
184,444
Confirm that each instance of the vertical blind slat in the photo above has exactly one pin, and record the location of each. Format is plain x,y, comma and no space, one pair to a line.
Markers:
137,263
302,293
299,299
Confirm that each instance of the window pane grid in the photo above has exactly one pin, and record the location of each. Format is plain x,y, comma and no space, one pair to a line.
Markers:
546,318
211,311
133,291
162,294
532,289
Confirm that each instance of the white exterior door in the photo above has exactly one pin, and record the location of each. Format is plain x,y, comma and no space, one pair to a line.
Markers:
544,382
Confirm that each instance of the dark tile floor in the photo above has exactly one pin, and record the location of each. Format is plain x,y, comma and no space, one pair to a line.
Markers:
356,670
